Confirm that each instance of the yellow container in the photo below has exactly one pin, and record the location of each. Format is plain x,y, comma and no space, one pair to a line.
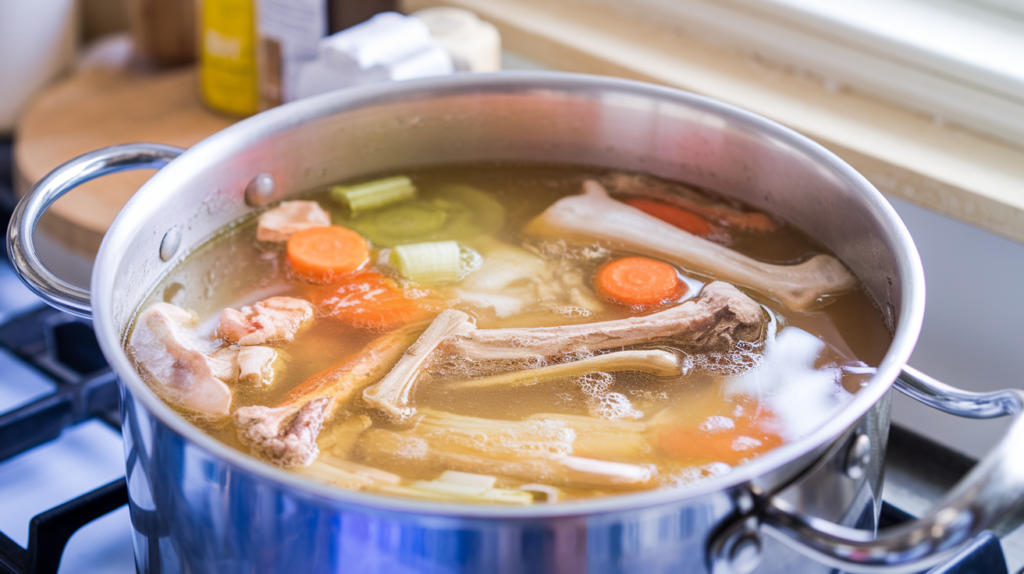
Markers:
227,60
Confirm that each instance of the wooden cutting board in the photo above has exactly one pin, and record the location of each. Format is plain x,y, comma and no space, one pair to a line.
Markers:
98,108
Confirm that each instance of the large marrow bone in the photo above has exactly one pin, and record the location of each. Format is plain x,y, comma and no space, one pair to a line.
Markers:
595,216
713,322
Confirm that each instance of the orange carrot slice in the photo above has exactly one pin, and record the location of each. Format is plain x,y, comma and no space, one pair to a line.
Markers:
369,300
638,281
324,254
681,218
731,446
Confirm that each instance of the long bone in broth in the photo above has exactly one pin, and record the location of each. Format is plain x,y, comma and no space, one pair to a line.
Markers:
715,321
488,334
595,216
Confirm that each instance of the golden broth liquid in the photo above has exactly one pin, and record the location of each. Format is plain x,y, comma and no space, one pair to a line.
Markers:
686,433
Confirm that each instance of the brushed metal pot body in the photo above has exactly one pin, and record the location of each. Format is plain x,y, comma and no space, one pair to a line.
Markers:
199,506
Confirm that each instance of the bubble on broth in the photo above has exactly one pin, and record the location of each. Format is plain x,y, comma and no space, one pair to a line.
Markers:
603,403
717,424
692,475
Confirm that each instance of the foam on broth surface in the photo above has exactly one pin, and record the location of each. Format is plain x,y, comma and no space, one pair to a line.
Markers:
723,410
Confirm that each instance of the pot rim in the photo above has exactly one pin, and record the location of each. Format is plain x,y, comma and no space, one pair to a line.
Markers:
118,238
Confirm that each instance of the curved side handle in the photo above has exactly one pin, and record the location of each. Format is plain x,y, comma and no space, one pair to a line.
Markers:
20,242
990,492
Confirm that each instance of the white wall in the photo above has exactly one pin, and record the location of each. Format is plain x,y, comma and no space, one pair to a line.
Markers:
974,318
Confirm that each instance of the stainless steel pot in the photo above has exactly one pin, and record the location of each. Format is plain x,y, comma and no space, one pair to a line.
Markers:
200,506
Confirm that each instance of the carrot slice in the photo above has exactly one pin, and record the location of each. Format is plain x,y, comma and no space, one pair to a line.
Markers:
731,446
686,220
322,254
638,281
369,300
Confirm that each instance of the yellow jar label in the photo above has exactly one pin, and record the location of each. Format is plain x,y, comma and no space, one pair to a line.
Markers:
227,58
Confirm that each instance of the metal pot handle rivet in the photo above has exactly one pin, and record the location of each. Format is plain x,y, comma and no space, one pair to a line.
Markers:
983,499
20,243
260,191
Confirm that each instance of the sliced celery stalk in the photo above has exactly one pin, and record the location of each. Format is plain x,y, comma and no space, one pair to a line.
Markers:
468,479
431,262
374,194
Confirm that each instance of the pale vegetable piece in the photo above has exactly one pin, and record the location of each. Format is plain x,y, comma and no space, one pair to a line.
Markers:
511,280
374,194
473,493
164,346
595,216
347,474
656,362
482,481
546,493
271,320
440,491
279,223
431,262
525,450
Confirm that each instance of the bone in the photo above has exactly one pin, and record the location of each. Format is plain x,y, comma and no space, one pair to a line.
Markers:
285,434
595,216
391,394
653,361
714,321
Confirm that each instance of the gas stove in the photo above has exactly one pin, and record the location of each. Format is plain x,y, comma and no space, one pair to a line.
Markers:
63,495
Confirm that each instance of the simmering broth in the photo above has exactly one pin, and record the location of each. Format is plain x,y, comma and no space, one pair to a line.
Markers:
517,420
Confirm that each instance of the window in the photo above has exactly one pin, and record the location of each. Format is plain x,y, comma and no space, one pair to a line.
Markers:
961,61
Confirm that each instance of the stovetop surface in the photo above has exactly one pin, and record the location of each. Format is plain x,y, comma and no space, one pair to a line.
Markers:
51,361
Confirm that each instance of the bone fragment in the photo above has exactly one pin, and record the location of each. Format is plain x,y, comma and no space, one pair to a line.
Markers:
714,321
692,200
286,434
653,361
164,346
391,394
595,216
279,223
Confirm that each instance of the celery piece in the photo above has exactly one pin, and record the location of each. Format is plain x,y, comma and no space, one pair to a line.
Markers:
468,479
432,262
452,213
473,493
374,194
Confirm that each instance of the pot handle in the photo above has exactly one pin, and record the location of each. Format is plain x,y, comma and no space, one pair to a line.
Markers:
21,248
987,495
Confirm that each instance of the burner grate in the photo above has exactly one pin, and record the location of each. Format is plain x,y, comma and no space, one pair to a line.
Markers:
64,348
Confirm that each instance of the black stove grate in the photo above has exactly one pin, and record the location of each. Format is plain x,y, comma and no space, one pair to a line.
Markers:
64,348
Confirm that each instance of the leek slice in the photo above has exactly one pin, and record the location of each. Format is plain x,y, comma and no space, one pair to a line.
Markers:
434,262
374,194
